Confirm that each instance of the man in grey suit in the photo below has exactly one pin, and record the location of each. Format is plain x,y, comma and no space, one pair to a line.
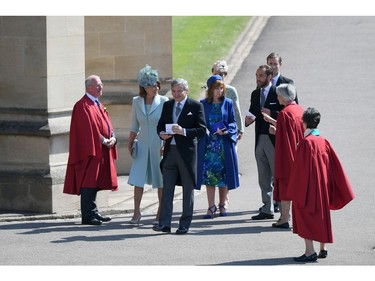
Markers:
264,100
181,124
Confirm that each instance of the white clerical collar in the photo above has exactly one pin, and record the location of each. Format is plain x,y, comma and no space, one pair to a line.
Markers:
91,97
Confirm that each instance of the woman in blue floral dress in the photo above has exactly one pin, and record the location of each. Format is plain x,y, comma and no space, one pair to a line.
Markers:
217,158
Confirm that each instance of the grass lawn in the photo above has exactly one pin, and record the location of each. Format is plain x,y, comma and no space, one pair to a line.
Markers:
199,41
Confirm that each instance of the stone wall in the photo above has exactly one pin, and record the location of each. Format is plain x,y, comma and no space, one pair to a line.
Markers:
116,48
43,64
41,72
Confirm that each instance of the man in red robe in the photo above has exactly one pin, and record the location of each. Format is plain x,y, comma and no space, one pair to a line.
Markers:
317,185
92,152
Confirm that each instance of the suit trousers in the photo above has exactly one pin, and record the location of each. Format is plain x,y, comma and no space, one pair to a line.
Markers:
265,158
88,203
173,169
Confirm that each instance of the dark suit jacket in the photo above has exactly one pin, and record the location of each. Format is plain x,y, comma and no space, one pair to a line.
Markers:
271,103
285,80
193,121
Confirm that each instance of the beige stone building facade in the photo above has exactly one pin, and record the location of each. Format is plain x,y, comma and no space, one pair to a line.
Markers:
43,64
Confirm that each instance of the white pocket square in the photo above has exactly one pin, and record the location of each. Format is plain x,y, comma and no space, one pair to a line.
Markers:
190,113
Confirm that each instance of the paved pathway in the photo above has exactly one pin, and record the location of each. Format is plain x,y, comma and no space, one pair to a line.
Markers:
330,60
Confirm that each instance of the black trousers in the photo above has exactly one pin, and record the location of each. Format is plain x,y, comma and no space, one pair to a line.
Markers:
88,203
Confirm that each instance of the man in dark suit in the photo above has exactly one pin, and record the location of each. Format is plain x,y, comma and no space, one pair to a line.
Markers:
264,100
181,124
275,61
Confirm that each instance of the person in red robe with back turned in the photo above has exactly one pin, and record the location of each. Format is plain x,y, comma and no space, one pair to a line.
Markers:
92,152
317,185
289,131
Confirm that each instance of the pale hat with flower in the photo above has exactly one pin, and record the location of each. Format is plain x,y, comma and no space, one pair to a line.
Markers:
220,66
147,76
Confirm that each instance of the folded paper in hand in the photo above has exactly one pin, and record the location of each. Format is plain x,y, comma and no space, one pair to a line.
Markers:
135,149
168,128
249,114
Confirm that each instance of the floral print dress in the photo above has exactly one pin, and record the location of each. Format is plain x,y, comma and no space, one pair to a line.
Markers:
213,165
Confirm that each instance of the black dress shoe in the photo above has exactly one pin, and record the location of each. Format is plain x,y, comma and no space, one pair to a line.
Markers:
181,231
262,216
162,229
323,254
100,218
276,208
284,225
91,221
304,258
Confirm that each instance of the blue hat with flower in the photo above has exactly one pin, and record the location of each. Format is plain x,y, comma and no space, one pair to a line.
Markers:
213,79
147,76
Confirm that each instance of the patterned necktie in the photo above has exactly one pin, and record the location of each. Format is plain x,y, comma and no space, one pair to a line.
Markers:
178,109
262,98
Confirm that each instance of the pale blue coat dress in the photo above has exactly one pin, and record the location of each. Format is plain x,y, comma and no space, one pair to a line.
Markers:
145,168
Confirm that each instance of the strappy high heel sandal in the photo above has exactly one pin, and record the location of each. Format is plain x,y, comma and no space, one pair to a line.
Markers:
223,211
212,211
136,221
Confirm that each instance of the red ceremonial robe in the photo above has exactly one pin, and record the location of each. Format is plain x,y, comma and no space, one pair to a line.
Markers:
317,185
289,132
90,163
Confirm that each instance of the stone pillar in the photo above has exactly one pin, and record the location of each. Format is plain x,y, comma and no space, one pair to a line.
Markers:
42,72
43,65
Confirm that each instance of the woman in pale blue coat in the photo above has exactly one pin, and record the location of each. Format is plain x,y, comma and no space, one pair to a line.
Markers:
146,110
